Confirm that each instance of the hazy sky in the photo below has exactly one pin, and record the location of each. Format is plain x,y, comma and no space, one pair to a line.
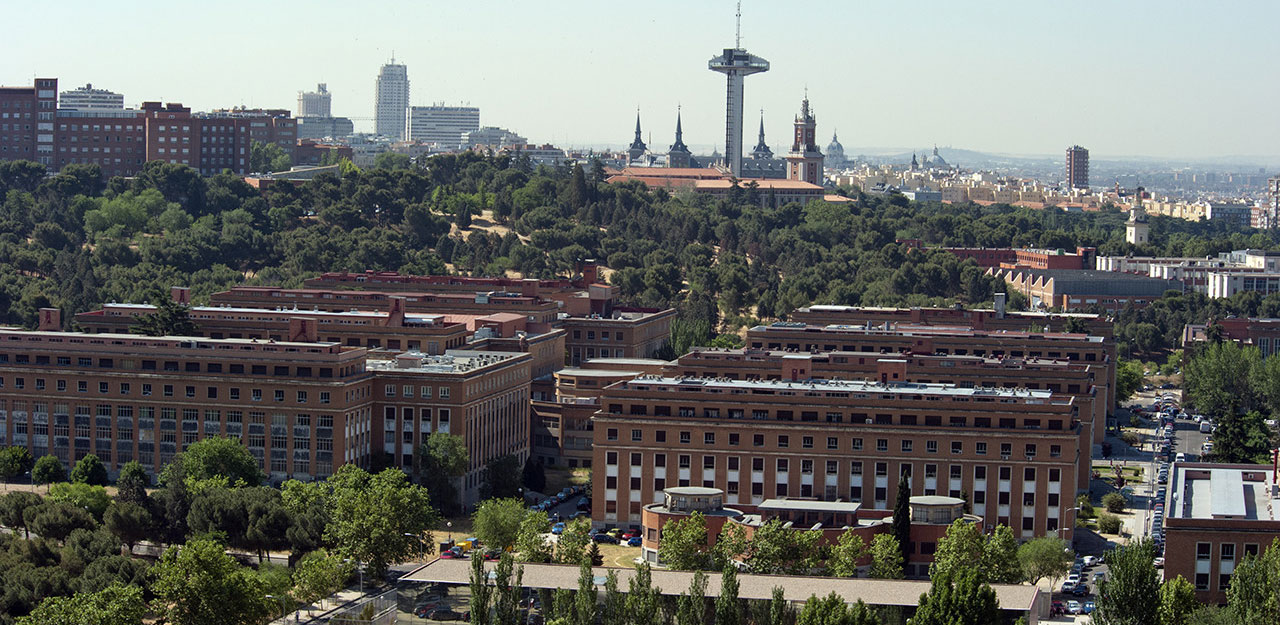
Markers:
1172,78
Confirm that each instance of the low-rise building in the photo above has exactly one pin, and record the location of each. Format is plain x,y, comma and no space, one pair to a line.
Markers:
998,318
1085,289
1217,514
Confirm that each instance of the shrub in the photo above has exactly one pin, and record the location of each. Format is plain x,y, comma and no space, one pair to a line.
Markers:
1109,523
1086,507
1114,502
1129,438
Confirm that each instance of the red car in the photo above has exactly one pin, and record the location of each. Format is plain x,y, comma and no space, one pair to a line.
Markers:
630,534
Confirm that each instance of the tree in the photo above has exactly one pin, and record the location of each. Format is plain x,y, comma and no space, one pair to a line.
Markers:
1128,379
692,604
1045,557
56,520
501,478
1131,593
684,543
117,604
1114,502
775,549
496,522
199,584
440,461
47,470
1000,557
846,554
960,549
89,470
1242,439
886,557
481,593
780,610
318,575
169,319
1217,378
642,597
392,160
1254,594
594,556
572,546
378,519
129,522
1109,523
531,542
93,499
1177,601
902,516
534,475
131,484
614,609
506,604
728,612
214,458
584,600
12,506
832,610
14,461
265,157
957,597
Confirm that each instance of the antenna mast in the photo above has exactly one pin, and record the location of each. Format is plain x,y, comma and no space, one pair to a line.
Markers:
737,34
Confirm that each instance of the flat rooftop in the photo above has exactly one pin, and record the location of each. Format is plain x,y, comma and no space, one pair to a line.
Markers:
1019,598
1223,492
986,311
281,311
809,505
889,328
452,361
843,386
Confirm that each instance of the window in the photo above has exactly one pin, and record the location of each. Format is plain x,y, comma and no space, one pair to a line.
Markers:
637,436
611,434
1203,551
211,392
806,442
683,461
882,469
102,387
757,464
757,440
733,439
708,462
444,392
882,444
709,438
833,442
782,465
279,394
302,397
660,460
833,467
784,440
980,448
146,390
1031,450
390,390
62,385
929,446
733,463
635,459
806,467
235,393
1055,475
685,438
324,395
611,458
856,444
661,435
855,467
83,387
1029,474
256,394
1028,499
907,444
1055,451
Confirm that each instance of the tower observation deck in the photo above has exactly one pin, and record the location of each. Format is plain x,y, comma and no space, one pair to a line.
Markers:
736,64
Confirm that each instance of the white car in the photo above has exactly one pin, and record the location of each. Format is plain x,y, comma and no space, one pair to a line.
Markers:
1073,607
1090,561
1072,579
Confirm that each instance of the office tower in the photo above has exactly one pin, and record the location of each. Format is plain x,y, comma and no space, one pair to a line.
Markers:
1077,167
87,98
392,100
316,103
736,64
442,125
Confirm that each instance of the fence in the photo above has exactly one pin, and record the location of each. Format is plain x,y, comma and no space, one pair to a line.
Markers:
379,610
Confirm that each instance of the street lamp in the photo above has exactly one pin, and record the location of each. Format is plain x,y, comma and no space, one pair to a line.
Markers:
284,612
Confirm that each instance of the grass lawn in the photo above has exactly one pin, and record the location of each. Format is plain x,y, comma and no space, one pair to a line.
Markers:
559,478
1130,473
619,555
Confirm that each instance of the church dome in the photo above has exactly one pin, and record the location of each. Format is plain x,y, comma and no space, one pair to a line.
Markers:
835,151
937,161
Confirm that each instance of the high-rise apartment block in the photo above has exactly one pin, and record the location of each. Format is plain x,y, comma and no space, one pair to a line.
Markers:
392,100
318,103
27,121
87,98
444,126
1077,167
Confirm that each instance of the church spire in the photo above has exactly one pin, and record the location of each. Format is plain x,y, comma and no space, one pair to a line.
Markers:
679,145
638,148
679,155
762,149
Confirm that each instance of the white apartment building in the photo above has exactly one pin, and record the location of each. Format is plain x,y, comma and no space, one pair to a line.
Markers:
392,100
442,125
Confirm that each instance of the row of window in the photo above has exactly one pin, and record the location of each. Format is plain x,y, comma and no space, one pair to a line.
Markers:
994,353
283,371
760,414
168,390
591,335
1226,562
782,465
407,390
855,444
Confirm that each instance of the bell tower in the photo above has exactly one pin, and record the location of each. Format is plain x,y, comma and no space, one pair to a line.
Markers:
804,161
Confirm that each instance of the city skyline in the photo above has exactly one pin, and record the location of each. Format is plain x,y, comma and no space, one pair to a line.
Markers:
1003,78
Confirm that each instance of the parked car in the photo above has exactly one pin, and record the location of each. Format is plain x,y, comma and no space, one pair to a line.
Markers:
1088,607
449,554
492,555
1067,587
422,609
558,528
634,541
1159,563
444,614
1099,576
605,538
1089,561
1081,590
1073,607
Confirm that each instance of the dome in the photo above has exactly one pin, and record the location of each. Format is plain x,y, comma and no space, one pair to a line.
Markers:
937,161
835,151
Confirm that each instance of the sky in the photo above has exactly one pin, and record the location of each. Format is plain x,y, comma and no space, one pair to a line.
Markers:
1170,79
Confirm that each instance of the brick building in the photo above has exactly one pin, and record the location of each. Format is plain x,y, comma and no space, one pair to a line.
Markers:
302,408
1262,333
977,318
27,121
562,427
1083,258
1218,514
460,306
1016,453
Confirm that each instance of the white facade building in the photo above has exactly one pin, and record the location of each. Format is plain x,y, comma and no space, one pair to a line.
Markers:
392,100
442,125
87,98
318,103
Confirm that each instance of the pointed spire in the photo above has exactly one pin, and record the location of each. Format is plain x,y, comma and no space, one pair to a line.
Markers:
638,146
679,145
762,149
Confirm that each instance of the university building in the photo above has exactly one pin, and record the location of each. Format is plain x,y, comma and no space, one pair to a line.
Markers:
1014,453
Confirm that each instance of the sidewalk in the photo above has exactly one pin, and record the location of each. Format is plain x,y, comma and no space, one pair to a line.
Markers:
335,603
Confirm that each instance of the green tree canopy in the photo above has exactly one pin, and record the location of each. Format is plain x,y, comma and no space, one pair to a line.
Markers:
168,319
214,458
886,557
1046,557
378,519
497,522
14,461
89,470
47,470
1254,594
957,598
199,584
439,462
1131,593
117,604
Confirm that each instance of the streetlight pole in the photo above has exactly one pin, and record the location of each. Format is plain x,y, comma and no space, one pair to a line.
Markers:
284,612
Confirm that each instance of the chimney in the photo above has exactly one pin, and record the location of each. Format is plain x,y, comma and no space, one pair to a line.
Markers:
529,287
590,272
395,312
180,295
50,320
303,330
999,305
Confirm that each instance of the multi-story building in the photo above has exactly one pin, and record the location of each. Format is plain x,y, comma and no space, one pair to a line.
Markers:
301,408
1217,514
318,103
1082,289
115,140
1261,333
1272,211
1029,258
562,427
441,125
455,306
392,100
1014,452
27,121
1077,167
997,318
1226,283
891,338
492,136
87,98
